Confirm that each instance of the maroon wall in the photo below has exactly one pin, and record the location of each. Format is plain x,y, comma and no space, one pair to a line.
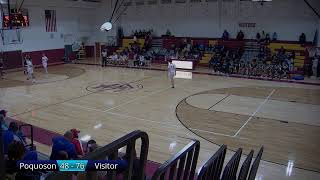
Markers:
12,59
89,51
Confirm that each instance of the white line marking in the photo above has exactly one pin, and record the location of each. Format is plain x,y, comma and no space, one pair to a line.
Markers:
254,113
140,97
220,134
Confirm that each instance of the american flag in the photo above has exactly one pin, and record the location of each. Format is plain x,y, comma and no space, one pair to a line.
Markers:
51,21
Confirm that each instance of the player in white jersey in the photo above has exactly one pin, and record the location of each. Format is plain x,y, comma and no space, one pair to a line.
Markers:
29,69
44,60
171,72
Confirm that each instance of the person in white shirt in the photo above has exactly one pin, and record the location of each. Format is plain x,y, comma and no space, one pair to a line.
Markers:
114,58
104,58
141,60
44,60
171,72
29,69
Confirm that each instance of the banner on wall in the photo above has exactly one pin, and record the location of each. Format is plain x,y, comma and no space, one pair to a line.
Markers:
51,21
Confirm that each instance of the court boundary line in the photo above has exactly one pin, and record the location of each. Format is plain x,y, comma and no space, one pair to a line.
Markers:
255,112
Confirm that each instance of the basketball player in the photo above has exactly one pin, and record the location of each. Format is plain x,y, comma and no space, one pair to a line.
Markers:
171,72
30,69
45,62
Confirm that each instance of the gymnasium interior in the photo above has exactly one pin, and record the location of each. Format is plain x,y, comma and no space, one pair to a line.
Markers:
86,81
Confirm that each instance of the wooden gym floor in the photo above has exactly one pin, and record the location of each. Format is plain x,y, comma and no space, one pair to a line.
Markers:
106,103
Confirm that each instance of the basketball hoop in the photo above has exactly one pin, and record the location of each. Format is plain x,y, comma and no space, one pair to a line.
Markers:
107,26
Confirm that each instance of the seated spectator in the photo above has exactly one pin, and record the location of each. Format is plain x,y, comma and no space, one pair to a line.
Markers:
11,135
76,142
141,60
63,143
62,155
3,115
274,36
302,38
240,36
91,146
16,151
225,35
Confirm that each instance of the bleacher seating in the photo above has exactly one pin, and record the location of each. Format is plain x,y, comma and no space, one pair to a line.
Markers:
181,166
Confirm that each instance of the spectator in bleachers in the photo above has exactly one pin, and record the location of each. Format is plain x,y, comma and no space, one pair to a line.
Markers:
274,36
263,36
62,155
141,60
11,135
63,143
225,35
258,37
3,115
76,142
91,146
240,36
267,39
302,38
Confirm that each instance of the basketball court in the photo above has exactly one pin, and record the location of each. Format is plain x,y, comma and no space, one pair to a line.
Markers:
106,103
247,110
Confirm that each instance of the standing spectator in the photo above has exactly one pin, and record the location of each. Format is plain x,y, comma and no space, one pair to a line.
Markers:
104,58
240,36
274,36
267,39
225,35
302,38
258,37
76,142
263,36
63,143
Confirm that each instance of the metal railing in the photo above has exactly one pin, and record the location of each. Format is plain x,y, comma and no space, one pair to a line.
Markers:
111,152
230,171
243,174
213,167
28,133
255,165
180,166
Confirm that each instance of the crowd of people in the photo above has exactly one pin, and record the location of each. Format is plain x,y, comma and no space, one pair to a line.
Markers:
264,65
64,147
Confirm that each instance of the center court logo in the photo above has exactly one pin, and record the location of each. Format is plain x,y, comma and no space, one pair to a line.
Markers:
121,87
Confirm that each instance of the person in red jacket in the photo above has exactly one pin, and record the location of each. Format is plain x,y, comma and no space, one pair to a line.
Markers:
77,143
